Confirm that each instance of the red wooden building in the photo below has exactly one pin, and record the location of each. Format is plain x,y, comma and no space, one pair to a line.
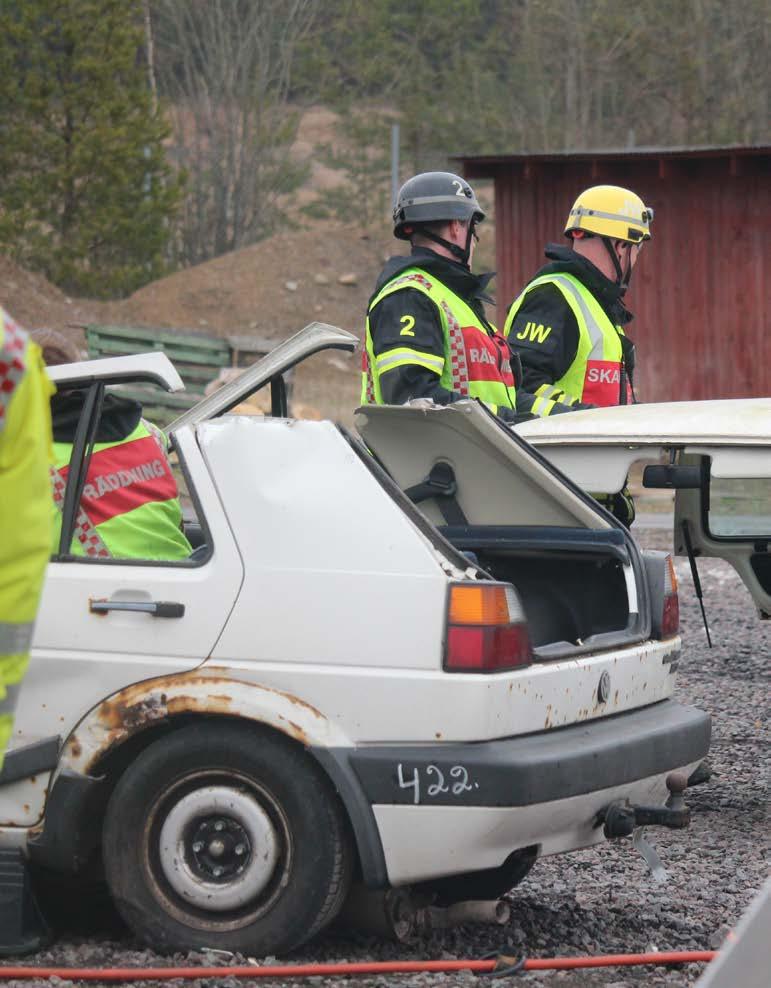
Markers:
700,290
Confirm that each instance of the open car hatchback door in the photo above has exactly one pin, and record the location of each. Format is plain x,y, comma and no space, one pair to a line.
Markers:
481,473
714,455
498,501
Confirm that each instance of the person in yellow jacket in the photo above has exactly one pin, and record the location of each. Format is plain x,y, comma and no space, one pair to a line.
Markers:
568,323
130,506
25,513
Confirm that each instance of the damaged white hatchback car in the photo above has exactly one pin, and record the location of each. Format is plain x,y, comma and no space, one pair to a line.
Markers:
417,657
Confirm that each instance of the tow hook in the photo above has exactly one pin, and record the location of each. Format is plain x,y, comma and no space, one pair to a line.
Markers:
620,819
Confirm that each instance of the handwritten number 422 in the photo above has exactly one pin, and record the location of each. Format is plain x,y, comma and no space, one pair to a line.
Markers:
438,786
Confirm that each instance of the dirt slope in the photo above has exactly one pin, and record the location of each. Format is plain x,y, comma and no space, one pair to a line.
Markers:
269,290
36,304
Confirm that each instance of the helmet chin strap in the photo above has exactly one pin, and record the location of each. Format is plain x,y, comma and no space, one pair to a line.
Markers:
622,275
462,253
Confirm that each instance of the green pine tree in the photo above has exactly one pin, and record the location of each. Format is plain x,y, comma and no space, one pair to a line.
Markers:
85,189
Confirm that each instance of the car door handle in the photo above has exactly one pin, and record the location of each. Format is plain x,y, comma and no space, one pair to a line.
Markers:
158,608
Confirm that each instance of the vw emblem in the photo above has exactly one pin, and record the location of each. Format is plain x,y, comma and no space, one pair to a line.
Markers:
603,690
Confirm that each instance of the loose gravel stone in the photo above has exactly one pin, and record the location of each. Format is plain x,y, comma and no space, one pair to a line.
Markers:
600,900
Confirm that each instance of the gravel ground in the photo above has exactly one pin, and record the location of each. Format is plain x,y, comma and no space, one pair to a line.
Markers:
601,900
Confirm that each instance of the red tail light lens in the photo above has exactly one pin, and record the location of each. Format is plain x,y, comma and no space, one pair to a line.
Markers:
670,618
486,629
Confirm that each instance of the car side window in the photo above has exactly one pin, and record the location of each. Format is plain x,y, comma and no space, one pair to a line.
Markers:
739,508
118,487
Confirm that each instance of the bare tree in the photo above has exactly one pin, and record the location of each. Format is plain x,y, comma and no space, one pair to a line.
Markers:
150,53
225,68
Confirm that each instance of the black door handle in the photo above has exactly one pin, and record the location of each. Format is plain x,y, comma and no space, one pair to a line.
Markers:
157,608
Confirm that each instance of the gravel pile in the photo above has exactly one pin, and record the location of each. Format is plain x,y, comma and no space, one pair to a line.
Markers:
601,900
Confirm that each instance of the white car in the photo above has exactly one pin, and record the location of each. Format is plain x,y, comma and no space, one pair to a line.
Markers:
420,656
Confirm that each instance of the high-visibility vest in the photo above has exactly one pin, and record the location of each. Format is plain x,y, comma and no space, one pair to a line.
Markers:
594,376
25,498
475,363
130,506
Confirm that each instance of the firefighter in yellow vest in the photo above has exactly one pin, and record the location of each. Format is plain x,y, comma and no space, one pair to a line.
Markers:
427,334
130,505
568,324
25,513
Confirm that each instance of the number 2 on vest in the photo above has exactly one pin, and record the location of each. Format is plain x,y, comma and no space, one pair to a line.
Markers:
408,322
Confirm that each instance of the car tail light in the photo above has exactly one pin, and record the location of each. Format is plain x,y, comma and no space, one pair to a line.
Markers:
670,616
486,629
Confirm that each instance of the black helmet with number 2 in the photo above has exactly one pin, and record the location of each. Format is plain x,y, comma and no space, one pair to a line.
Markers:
433,197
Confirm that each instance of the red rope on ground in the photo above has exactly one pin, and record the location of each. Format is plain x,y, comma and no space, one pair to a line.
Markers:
364,967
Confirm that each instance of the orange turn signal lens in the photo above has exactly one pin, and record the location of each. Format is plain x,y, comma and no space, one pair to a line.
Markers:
487,605
670,577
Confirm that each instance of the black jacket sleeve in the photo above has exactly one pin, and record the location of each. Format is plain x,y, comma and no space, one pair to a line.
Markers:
408,319
545,335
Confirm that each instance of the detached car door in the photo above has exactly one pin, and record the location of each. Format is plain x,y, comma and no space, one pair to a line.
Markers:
104,624
715,455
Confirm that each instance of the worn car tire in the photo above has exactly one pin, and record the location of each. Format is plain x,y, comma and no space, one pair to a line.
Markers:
253,805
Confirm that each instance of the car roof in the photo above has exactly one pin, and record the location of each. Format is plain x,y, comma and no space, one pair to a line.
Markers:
153,367
732,421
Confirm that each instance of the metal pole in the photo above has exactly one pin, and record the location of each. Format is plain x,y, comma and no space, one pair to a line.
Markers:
394,163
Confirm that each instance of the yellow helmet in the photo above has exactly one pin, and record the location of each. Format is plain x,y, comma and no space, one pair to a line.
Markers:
610,211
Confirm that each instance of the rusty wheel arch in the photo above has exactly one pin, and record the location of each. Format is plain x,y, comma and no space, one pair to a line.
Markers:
70,837
113,762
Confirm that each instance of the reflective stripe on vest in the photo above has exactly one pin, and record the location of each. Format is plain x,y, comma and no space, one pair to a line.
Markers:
15,638
10,700
395,357
369,384
457,352
12,346
84,531
595,374
474,363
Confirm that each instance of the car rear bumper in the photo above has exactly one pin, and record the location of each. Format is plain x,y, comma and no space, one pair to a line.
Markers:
536,768
421,843
424,811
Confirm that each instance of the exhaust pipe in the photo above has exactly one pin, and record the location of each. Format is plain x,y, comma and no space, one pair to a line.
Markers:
398,914
494,911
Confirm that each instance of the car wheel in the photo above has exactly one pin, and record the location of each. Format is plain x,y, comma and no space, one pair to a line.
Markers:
221,836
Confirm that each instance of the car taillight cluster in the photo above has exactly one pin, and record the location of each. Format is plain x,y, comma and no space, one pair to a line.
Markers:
670,617
486,629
